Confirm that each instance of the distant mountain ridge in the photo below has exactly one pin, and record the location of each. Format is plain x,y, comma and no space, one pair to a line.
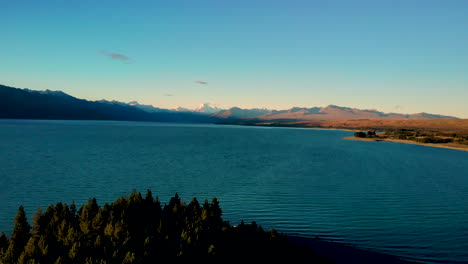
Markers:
31,104
331,112
236,112
148,108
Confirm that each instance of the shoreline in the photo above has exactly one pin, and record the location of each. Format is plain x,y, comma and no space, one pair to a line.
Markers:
341,253
436,145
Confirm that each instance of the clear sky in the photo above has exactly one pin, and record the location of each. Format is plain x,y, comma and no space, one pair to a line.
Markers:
403,56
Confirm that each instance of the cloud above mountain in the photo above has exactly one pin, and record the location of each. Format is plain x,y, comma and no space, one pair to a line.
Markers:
116,56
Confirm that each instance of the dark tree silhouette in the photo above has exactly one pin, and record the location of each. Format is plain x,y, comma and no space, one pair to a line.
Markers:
19,237
360,134
134,229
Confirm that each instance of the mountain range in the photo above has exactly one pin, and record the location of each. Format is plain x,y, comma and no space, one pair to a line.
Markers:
31,104
331,112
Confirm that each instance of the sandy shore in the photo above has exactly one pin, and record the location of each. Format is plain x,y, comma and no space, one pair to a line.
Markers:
439,145
345,254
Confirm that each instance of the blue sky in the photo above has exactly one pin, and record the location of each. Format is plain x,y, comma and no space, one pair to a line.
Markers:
395,56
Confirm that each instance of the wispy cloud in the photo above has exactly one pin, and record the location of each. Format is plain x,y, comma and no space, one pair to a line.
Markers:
201,82
398,107
116,56
168,95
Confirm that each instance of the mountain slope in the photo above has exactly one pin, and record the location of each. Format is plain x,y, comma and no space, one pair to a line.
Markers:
331,112
236,112
149,108
29,104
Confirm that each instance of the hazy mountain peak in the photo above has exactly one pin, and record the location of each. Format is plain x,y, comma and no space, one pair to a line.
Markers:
207,108
48,92
337,107
147,108
296,109
182,109
134,103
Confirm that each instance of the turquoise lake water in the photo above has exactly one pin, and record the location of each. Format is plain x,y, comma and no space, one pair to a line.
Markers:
407,200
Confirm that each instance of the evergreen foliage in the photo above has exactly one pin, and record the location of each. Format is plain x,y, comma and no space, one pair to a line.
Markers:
360,134
134,229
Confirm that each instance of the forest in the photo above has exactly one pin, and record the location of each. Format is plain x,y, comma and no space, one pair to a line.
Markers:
137,229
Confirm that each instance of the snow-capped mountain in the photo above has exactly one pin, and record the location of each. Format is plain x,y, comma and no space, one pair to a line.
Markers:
207,108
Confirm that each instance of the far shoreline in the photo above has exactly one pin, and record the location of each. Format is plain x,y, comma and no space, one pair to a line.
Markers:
376,139
436,145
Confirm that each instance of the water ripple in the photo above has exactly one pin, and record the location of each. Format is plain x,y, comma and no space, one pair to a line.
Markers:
400,199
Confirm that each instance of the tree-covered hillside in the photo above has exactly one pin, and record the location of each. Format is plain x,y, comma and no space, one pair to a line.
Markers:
139,229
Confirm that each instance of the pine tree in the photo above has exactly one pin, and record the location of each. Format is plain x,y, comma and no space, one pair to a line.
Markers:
38,223
206,211
193,221
129,258
193,210
73,208
19,238
74,253
149,197
59,260
86,215
3,245
215,209
36,249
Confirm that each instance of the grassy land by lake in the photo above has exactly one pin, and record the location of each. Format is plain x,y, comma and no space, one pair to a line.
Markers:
442,133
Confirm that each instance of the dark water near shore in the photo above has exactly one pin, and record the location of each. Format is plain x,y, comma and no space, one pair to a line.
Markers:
407,200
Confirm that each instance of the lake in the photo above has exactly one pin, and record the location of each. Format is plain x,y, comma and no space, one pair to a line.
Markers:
406,200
